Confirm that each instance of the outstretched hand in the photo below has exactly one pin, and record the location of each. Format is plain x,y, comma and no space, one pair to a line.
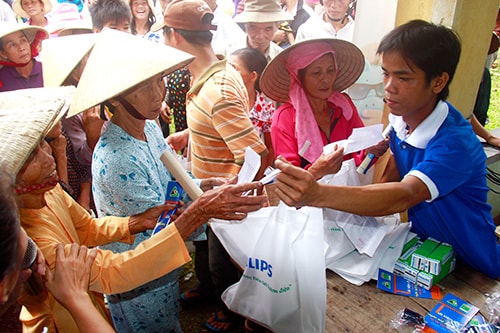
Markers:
295,186
229,202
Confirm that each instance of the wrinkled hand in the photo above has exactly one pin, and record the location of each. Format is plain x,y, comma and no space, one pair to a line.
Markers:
295,186
71,276
148,219
210,183
228,201
165,113
92,125
178,140
328,164
56,140
280,36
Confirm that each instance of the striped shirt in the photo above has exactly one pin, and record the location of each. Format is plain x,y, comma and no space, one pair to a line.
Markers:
219,125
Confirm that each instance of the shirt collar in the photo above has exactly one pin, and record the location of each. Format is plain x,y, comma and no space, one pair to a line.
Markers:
214,68
425,131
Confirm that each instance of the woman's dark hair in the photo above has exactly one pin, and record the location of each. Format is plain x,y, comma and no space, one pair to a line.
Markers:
105,11
151,19
435,49
9,226
193,37
254,60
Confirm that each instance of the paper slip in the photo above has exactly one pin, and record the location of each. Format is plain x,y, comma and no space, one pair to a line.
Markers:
360,138
250,167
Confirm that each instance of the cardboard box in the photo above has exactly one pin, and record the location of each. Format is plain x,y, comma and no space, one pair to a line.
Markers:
425,263
439,257
420,258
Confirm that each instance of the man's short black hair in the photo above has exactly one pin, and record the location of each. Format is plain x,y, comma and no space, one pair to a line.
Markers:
106,11
433,48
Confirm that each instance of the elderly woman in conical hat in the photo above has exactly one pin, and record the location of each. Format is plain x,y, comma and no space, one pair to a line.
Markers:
23,265
33,10
50,216
309,78
19,46
128,176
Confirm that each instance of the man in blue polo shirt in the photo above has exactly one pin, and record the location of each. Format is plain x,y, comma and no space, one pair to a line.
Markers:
437,170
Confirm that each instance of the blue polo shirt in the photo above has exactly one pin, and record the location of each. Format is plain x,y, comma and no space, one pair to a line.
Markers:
445,154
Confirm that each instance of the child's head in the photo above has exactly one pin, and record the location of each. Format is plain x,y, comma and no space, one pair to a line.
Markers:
435,49
113,14
141,9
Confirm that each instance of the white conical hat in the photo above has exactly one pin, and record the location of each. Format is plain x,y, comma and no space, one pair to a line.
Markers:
26,116
120,61
61,55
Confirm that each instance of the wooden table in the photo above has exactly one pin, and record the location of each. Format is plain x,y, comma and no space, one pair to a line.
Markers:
367,309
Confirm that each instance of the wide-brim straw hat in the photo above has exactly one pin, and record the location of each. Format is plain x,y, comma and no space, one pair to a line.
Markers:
262,11
120,61
26,116
75,29
29,30
18,9
61,55
275,79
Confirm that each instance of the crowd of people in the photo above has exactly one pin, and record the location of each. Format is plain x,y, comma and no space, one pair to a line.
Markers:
80,197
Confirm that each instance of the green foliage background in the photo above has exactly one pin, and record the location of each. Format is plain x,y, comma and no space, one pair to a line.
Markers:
494,109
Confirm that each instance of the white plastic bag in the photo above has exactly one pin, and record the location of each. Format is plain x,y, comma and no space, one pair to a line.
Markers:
283,286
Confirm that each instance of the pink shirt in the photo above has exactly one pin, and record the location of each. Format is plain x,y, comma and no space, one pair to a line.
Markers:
285,140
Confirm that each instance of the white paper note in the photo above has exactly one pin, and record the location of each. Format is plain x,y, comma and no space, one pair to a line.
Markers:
360,138
250,167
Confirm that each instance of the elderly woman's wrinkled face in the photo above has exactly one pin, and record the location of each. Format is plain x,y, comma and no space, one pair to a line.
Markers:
16,47
39,168
319,77
147,96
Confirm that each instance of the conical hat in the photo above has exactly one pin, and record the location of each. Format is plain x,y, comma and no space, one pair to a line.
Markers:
275,79
26,116
120,61
18,8
61,55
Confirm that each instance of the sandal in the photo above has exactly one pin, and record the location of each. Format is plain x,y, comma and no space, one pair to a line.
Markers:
192,296
221,322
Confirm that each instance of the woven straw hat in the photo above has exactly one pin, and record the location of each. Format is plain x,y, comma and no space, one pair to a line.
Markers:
26,116
75,29
275,79
18,9
120,61
262,11
29,30
61,55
